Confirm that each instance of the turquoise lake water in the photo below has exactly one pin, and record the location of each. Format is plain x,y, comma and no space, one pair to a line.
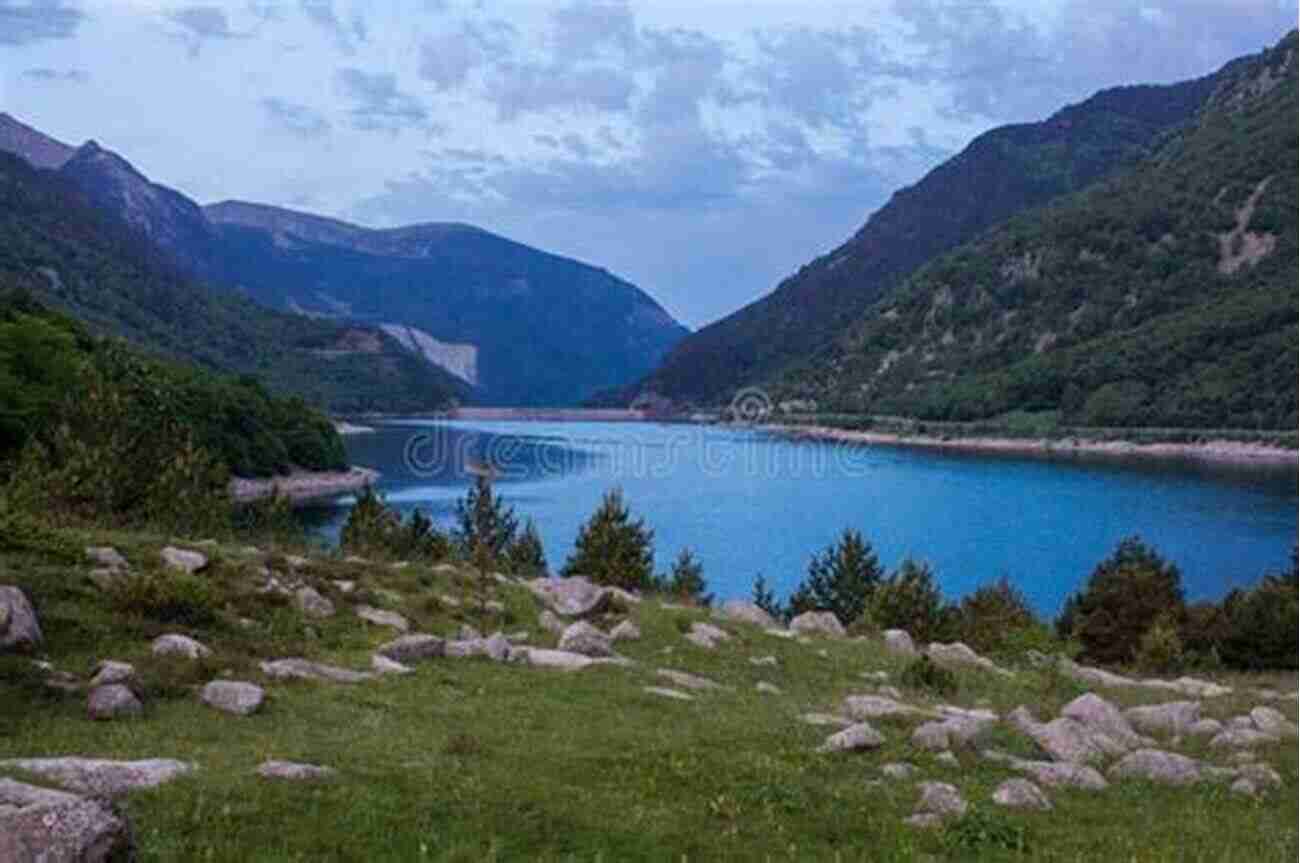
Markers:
750,503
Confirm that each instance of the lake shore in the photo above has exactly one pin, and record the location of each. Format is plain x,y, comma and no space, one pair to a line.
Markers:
303,486
1220,451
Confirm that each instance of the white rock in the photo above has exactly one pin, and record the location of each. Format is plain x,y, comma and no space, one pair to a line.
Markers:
101,775
44,826
381,617
179,645
304,669
897,641
183,559
412,648
111,671
106,556
1100,716
767,688
312,604
381,664
19,629
343,585
1260,776
958,654
548,621
1053,774
824,719
898,770
112,701
560,659
625,631
924,820
1155,765
582,637
687,680
763,661
294,771
742,611
233,696
706,635
942,799
1021,794
817,623
1233,738
855,738
1172,717
1207,727
876,706
574,596
665,692
1272,721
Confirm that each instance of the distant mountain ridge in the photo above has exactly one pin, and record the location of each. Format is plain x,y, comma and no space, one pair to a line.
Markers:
1002,172
527,327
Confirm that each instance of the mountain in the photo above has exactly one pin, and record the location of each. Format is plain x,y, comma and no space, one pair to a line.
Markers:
519,325
1001,173
1164,295
60,247
542,329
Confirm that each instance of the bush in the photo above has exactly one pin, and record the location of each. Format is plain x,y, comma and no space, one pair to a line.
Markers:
990,615
1161,650
1125,595
166,596
373,528
765,599
483,519
525,556
921,673
910,599
612,548
840,580
1262,625
686,580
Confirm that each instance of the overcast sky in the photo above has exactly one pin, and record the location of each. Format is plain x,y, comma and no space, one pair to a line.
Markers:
702,149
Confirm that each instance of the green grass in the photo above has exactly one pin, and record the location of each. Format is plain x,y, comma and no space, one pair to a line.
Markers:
471,760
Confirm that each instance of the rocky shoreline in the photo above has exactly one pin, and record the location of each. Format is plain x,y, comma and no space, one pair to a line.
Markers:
303,486
1219,451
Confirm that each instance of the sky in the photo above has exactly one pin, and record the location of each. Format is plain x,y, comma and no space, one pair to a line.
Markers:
701,149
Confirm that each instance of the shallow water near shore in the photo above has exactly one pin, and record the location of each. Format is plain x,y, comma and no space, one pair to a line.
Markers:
748,502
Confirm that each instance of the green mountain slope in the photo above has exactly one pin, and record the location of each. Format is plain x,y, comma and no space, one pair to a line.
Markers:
1002,172
57,246
1162,296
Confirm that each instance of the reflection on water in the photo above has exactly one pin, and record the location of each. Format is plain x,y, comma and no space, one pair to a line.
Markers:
749,503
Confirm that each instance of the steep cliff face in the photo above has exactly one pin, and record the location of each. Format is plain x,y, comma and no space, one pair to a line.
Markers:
39,149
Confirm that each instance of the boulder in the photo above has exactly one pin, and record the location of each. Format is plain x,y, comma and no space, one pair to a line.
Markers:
898,642
817,623
343,585
876,706
898,770
1172,717
497,648
44,826
312,604
19,629
957,654
574,596
952,731
582,637
941,799
380,617
112,701
1053,774
1272,721
550,622
855,738
111,671
183,559
1260,776
1207,727
233,696
100,775
824,719
179,645
687,680
924,820
294,771
1234,738
742,611
1064,739
563,660
763,661
1155,765
381,664
1101,717
304,669
767,688
1021,794
106,556
947,759
412,648
706,635
625,631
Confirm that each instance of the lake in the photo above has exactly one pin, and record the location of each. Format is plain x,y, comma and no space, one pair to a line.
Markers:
747,502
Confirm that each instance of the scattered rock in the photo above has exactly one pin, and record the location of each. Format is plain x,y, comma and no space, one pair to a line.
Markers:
625,631
777,632
497,648
582,637
876,706
1053,774
1102,718
687,680
1172,717
817,623
855,738
1155,765
574,596
767,688
1235,738
44,826
745,612
563,660
897,641
1021,794
924,820
104,578
706,635
233,696
941,799
380,617
1244,786
548,621
824,719
450,601
958,654
312,604
294,771
381,664
344,586
1207,727
412,648
1259,776
947,759
179,645
878,676
665,692
106,556
898,770
19,629
297,668
468,633
111,671
1065,739
183,559
112,701
1272,721
953,730
101,775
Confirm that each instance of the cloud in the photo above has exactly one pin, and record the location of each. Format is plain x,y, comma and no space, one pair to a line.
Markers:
448,59
346,36
377,103
199,23
45,74
299,120
36,20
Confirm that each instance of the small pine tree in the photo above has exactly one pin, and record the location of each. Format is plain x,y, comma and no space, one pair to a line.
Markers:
483,518
766,599
526,557
686,580
840,579
1125,595
910,599
612,548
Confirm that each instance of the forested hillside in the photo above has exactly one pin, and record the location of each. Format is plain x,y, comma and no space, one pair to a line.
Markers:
57,246
1162,296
